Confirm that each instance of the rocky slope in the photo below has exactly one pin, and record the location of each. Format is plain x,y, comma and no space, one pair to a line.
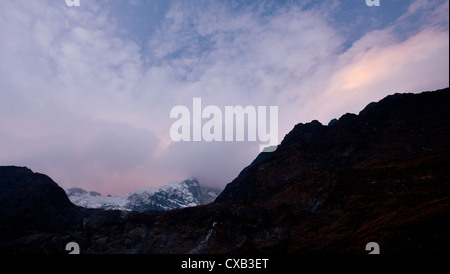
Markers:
32,204
175,195
378,176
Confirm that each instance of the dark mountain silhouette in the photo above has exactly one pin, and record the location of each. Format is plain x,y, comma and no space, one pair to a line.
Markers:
379,176
32,208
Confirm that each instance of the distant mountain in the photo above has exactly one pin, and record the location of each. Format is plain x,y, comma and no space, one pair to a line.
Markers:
175,195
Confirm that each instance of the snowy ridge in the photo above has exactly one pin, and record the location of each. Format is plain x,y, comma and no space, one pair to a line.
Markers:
187,193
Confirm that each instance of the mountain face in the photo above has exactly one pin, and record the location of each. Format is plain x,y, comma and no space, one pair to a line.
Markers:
379,176
176,195
32,202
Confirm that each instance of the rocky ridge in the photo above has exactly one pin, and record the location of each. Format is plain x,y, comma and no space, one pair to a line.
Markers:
381,175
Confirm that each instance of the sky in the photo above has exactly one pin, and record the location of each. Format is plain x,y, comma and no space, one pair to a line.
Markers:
86,91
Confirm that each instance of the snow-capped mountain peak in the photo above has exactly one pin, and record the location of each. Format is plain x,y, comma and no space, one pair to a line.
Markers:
174,195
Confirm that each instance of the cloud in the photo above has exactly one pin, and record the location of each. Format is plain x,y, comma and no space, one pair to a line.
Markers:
121,147
86,92
65,77
245,58
380,63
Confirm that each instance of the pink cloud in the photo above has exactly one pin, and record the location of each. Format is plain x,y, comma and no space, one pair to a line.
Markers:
413,65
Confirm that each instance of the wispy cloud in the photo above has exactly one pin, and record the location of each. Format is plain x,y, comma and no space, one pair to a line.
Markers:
86,92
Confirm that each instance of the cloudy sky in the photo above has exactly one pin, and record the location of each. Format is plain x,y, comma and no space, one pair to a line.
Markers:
86,92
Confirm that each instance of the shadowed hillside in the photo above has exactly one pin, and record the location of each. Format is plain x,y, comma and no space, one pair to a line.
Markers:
378,176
